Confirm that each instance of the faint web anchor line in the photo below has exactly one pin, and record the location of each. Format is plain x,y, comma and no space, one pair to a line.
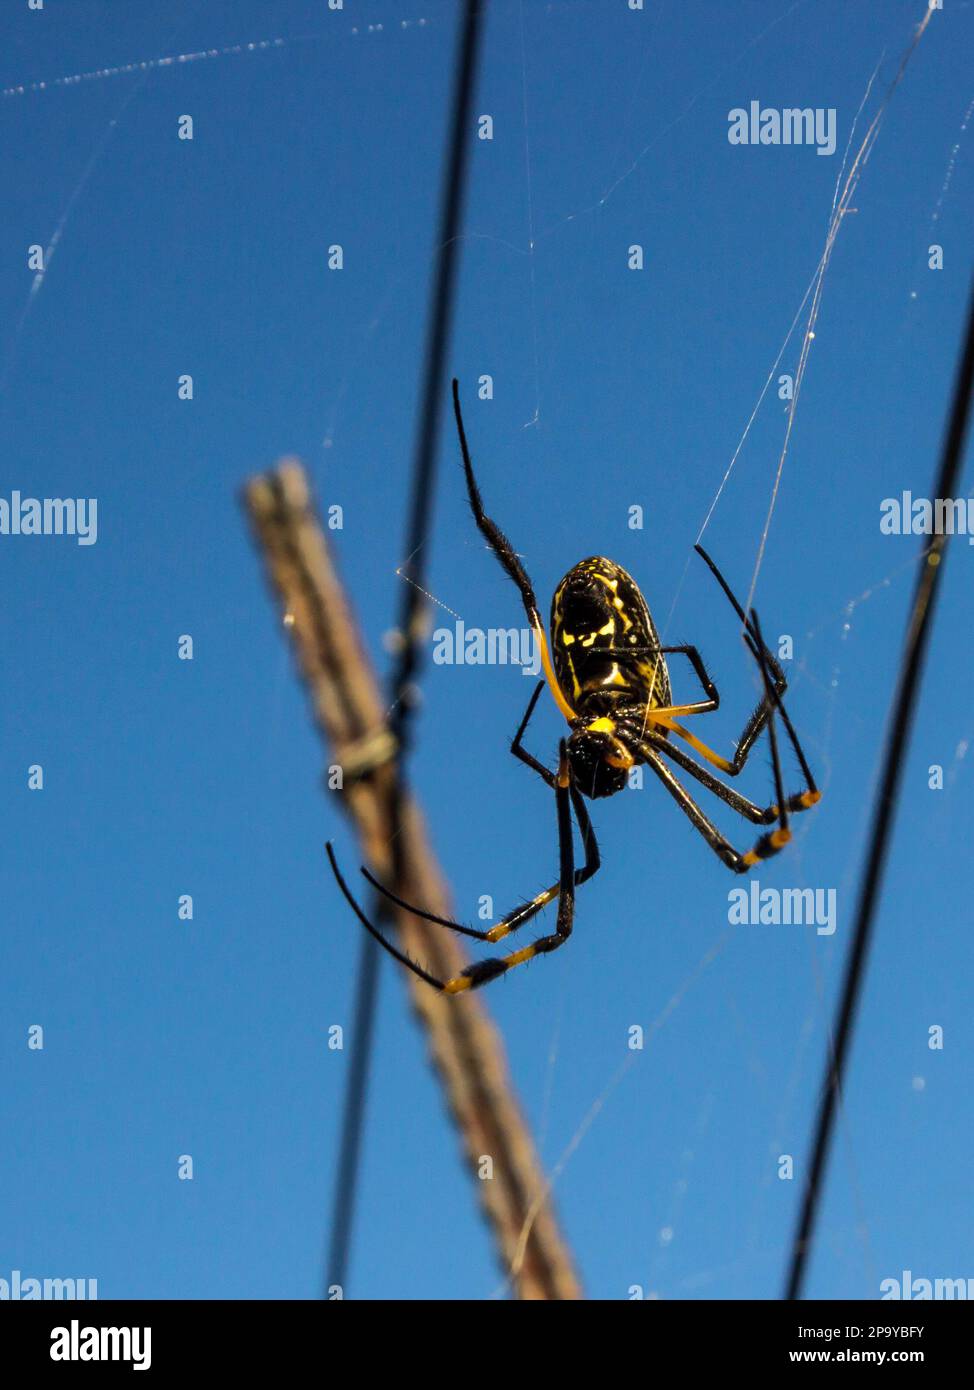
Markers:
395,639
232,50
840,206
621,178
933,227
598,1105
143,65
896,741
951,165
818,272
840,209
425,592
50,249
536,237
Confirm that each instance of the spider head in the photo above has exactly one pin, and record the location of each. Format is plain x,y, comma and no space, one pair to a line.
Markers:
598,760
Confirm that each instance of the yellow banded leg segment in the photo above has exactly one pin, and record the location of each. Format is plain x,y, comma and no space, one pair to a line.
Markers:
518,918
481,972
665,712
803,801
767,846
715,759
457,984
485,970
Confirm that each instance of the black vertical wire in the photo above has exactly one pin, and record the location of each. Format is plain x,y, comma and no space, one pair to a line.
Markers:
434,384
897,743
353,1113
413,570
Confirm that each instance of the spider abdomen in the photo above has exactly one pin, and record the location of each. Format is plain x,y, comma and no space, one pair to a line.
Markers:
605,645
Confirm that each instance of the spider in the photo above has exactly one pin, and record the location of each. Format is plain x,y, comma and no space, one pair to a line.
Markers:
609,679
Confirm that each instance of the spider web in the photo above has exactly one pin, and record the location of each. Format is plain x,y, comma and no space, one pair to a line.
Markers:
825,670
827,647
847,183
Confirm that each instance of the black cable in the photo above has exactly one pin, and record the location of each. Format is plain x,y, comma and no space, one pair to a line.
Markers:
904,710
434,384
424,463
343,1203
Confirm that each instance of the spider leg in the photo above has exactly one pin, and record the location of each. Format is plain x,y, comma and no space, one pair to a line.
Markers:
712,701
782,834
721,846
507,556
767,845
779,685
525,911
518,749
373,930
743,805
775,684
593,860
480,972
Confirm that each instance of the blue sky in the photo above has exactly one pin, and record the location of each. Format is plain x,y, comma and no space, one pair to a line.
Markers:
612,388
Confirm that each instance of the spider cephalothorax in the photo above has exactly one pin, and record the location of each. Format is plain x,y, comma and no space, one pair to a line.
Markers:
598,758
609,679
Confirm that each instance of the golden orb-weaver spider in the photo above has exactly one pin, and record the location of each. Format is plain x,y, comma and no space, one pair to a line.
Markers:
610,680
